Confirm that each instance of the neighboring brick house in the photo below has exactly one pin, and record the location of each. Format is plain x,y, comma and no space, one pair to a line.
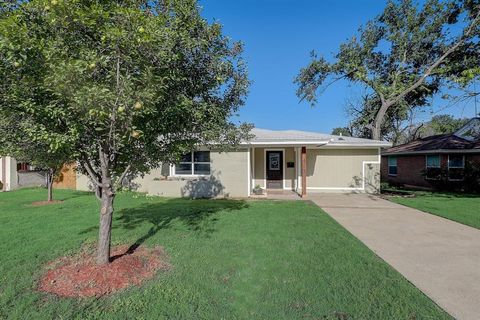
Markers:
428,161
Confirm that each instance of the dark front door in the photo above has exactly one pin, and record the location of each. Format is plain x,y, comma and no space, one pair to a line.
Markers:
274,165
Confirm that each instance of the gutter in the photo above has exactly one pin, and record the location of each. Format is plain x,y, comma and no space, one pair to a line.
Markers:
434,151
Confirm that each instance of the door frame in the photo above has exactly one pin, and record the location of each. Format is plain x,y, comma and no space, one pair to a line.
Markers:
265,165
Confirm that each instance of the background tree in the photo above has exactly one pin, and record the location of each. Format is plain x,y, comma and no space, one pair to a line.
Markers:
17,140
445,124
402,57
127,84
342,131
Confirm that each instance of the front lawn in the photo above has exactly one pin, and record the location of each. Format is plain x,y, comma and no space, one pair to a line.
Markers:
231,260
457,207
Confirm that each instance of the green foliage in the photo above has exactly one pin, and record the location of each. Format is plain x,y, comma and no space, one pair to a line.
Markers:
141,81
17,139
231,260
444,124
342,131
466,180
401,58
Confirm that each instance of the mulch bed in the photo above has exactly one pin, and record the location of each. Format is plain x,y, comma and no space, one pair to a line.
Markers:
45,203
79,276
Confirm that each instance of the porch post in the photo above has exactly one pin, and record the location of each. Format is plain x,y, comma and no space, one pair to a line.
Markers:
304,172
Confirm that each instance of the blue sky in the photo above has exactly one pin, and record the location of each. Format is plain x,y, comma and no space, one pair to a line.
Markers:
279,36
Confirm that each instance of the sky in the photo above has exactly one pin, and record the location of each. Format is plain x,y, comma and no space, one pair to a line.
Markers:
278,36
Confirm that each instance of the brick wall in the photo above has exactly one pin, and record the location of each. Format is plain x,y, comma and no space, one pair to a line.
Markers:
410,169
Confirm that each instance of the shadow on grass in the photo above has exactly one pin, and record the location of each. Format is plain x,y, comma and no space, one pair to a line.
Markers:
196,215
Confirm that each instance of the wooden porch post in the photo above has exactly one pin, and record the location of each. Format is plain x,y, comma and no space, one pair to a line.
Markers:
304,172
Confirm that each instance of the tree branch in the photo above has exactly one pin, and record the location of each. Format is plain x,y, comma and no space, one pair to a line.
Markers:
122,177
92,174
432,67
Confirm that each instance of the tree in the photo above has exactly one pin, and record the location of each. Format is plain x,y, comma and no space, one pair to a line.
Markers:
445,124
402,57
126,84
16,140
342,131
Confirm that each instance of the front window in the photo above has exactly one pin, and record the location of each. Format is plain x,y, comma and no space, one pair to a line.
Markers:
456,166
434,171
194,163
392,166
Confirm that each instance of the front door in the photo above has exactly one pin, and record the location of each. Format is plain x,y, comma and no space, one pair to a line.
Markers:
274,172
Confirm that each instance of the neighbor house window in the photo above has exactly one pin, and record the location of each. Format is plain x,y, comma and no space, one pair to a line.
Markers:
456,166
392,166
434,171
23,166
194,163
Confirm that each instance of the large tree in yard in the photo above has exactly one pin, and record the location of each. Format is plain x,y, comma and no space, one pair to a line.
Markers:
128,84
401,57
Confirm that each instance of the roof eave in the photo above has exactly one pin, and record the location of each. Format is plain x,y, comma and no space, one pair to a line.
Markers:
433,151
322,143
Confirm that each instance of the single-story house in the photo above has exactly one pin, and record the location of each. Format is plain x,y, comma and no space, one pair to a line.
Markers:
428,161
289,160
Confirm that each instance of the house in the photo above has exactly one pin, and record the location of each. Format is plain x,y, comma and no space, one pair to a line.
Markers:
8,174
429,161
285,160
16,174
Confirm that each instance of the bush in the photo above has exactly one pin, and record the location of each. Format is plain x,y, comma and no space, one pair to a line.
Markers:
455,179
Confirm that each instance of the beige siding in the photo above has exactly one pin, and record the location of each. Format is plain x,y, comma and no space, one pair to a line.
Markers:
259,170
83,183
229,178
328,170
337,169
289,172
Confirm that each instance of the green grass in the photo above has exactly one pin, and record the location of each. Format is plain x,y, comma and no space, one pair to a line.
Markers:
457,207
231,260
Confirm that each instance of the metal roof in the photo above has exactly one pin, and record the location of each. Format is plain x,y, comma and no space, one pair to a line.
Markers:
288,137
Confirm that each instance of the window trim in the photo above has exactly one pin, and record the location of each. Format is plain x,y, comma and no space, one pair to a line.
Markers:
427,167
192,167
463,163
388,166
462,167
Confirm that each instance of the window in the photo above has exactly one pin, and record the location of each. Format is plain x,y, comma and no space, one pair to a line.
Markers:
23,166
194,163
456,166
434,171
392,166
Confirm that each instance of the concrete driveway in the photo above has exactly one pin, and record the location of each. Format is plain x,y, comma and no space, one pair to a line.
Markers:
439,256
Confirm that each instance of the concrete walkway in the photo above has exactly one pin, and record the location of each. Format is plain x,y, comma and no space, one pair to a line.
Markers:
439,256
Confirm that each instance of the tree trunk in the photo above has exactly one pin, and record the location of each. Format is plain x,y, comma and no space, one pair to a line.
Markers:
105,230
379,119
50,186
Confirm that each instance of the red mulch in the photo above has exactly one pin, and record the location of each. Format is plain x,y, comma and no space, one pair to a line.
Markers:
45,203
79,276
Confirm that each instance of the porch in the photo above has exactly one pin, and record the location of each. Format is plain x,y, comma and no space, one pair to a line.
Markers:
313,168
278,171
278,194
